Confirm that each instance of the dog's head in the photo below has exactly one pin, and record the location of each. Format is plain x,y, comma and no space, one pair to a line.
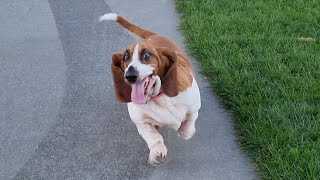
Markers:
143,71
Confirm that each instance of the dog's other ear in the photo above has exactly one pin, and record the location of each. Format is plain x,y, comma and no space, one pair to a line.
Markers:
122,89
178,76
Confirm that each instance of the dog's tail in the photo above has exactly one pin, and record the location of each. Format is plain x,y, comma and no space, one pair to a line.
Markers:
126,24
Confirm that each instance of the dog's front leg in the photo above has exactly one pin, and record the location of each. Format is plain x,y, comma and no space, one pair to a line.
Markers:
158,151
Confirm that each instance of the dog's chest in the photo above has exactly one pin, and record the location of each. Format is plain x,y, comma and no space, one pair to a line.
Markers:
164,111
167,111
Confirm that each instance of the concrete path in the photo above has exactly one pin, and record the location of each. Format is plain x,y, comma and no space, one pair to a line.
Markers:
58,115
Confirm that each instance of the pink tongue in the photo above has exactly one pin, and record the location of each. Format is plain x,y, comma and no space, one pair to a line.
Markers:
137,93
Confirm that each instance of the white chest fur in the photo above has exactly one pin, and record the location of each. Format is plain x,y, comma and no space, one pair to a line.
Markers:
167,111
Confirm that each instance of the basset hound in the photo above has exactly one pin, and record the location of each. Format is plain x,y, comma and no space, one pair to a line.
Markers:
156,80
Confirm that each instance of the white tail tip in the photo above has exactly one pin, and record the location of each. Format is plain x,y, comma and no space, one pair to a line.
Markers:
109,17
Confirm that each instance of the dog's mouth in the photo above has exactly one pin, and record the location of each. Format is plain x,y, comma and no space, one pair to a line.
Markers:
141,90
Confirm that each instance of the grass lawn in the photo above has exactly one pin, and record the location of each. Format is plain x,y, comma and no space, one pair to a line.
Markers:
263,59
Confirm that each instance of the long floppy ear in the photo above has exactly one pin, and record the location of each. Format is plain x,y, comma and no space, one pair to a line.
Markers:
122,89
178,76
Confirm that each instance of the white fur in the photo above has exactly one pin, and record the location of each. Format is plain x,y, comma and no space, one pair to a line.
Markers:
109,17
179,113
156,89
143,69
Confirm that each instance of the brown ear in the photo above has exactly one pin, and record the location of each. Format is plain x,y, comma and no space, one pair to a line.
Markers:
122,89
177,77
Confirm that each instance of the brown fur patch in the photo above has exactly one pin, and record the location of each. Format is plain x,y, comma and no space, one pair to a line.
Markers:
122,89
179,75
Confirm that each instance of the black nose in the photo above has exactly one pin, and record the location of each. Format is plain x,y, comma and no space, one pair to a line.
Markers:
132,75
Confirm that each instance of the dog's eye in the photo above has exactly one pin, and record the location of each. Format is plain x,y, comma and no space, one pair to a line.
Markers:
126,57
146,56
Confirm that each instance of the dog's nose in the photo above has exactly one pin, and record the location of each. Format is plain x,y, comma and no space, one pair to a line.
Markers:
131,75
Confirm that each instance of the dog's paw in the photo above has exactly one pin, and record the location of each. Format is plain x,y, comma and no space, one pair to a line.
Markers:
157,155
186,133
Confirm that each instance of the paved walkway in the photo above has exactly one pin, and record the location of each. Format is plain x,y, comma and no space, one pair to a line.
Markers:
58,116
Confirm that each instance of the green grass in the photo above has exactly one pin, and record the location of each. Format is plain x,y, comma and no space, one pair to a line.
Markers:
269,78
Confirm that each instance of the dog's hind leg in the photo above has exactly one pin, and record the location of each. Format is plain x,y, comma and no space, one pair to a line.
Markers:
187,128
